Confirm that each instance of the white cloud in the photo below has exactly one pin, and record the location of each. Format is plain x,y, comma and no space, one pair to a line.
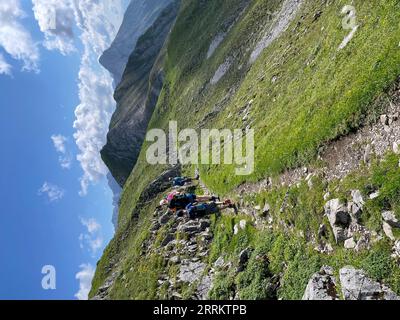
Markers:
5,68
99,23
15,39
65,159
85,277
93,238
91,224
53,192
65,162
59,142
56,20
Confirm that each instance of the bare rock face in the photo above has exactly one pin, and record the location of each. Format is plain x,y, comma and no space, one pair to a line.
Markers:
390,218
139,16
192,271
354,283
357,286
339,219
136,97
322,286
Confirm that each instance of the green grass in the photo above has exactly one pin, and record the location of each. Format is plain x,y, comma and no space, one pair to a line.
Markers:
319,94
290,252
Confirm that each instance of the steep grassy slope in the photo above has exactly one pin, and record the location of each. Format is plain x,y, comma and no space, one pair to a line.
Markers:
301,93
320,93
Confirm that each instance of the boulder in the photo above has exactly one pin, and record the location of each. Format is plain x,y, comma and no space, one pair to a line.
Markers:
396,250
390,218
164,219
339,219
356,206
191,272
387,229
155,226
337,213
219,263
170,237
364,242
266,209
357,286
374,195
242,224
350,243
190,227
322,286
204,224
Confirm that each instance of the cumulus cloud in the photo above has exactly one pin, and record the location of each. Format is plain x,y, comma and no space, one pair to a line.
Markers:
15,39
93,237
65,158
56,20
95,24
99,23
91,224
53,192
5,68
59,142
85,277
92,117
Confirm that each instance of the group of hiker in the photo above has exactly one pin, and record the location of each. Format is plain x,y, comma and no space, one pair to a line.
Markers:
182,202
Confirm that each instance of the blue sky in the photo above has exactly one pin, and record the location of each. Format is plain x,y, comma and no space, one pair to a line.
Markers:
50,214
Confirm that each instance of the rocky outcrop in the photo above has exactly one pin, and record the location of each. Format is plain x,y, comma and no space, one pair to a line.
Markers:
339,219
136,97
322,286
139,16
188,253
357,286
354,283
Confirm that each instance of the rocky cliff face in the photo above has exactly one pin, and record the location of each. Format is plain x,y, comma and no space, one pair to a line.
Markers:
139,16
136,97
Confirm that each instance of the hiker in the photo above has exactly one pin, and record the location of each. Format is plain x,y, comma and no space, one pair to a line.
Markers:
182,181
179,201
200,210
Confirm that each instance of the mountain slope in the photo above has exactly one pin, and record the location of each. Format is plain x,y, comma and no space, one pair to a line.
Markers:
136,97
139,16
291,71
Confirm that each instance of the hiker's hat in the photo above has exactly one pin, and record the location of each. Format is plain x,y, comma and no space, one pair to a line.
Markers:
163,202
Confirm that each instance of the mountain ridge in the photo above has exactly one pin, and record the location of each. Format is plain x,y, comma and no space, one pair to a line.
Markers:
139,16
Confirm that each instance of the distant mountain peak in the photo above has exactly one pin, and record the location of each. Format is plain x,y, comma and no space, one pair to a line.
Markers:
139,16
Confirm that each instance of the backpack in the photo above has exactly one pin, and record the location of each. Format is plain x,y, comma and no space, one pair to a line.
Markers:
179,201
